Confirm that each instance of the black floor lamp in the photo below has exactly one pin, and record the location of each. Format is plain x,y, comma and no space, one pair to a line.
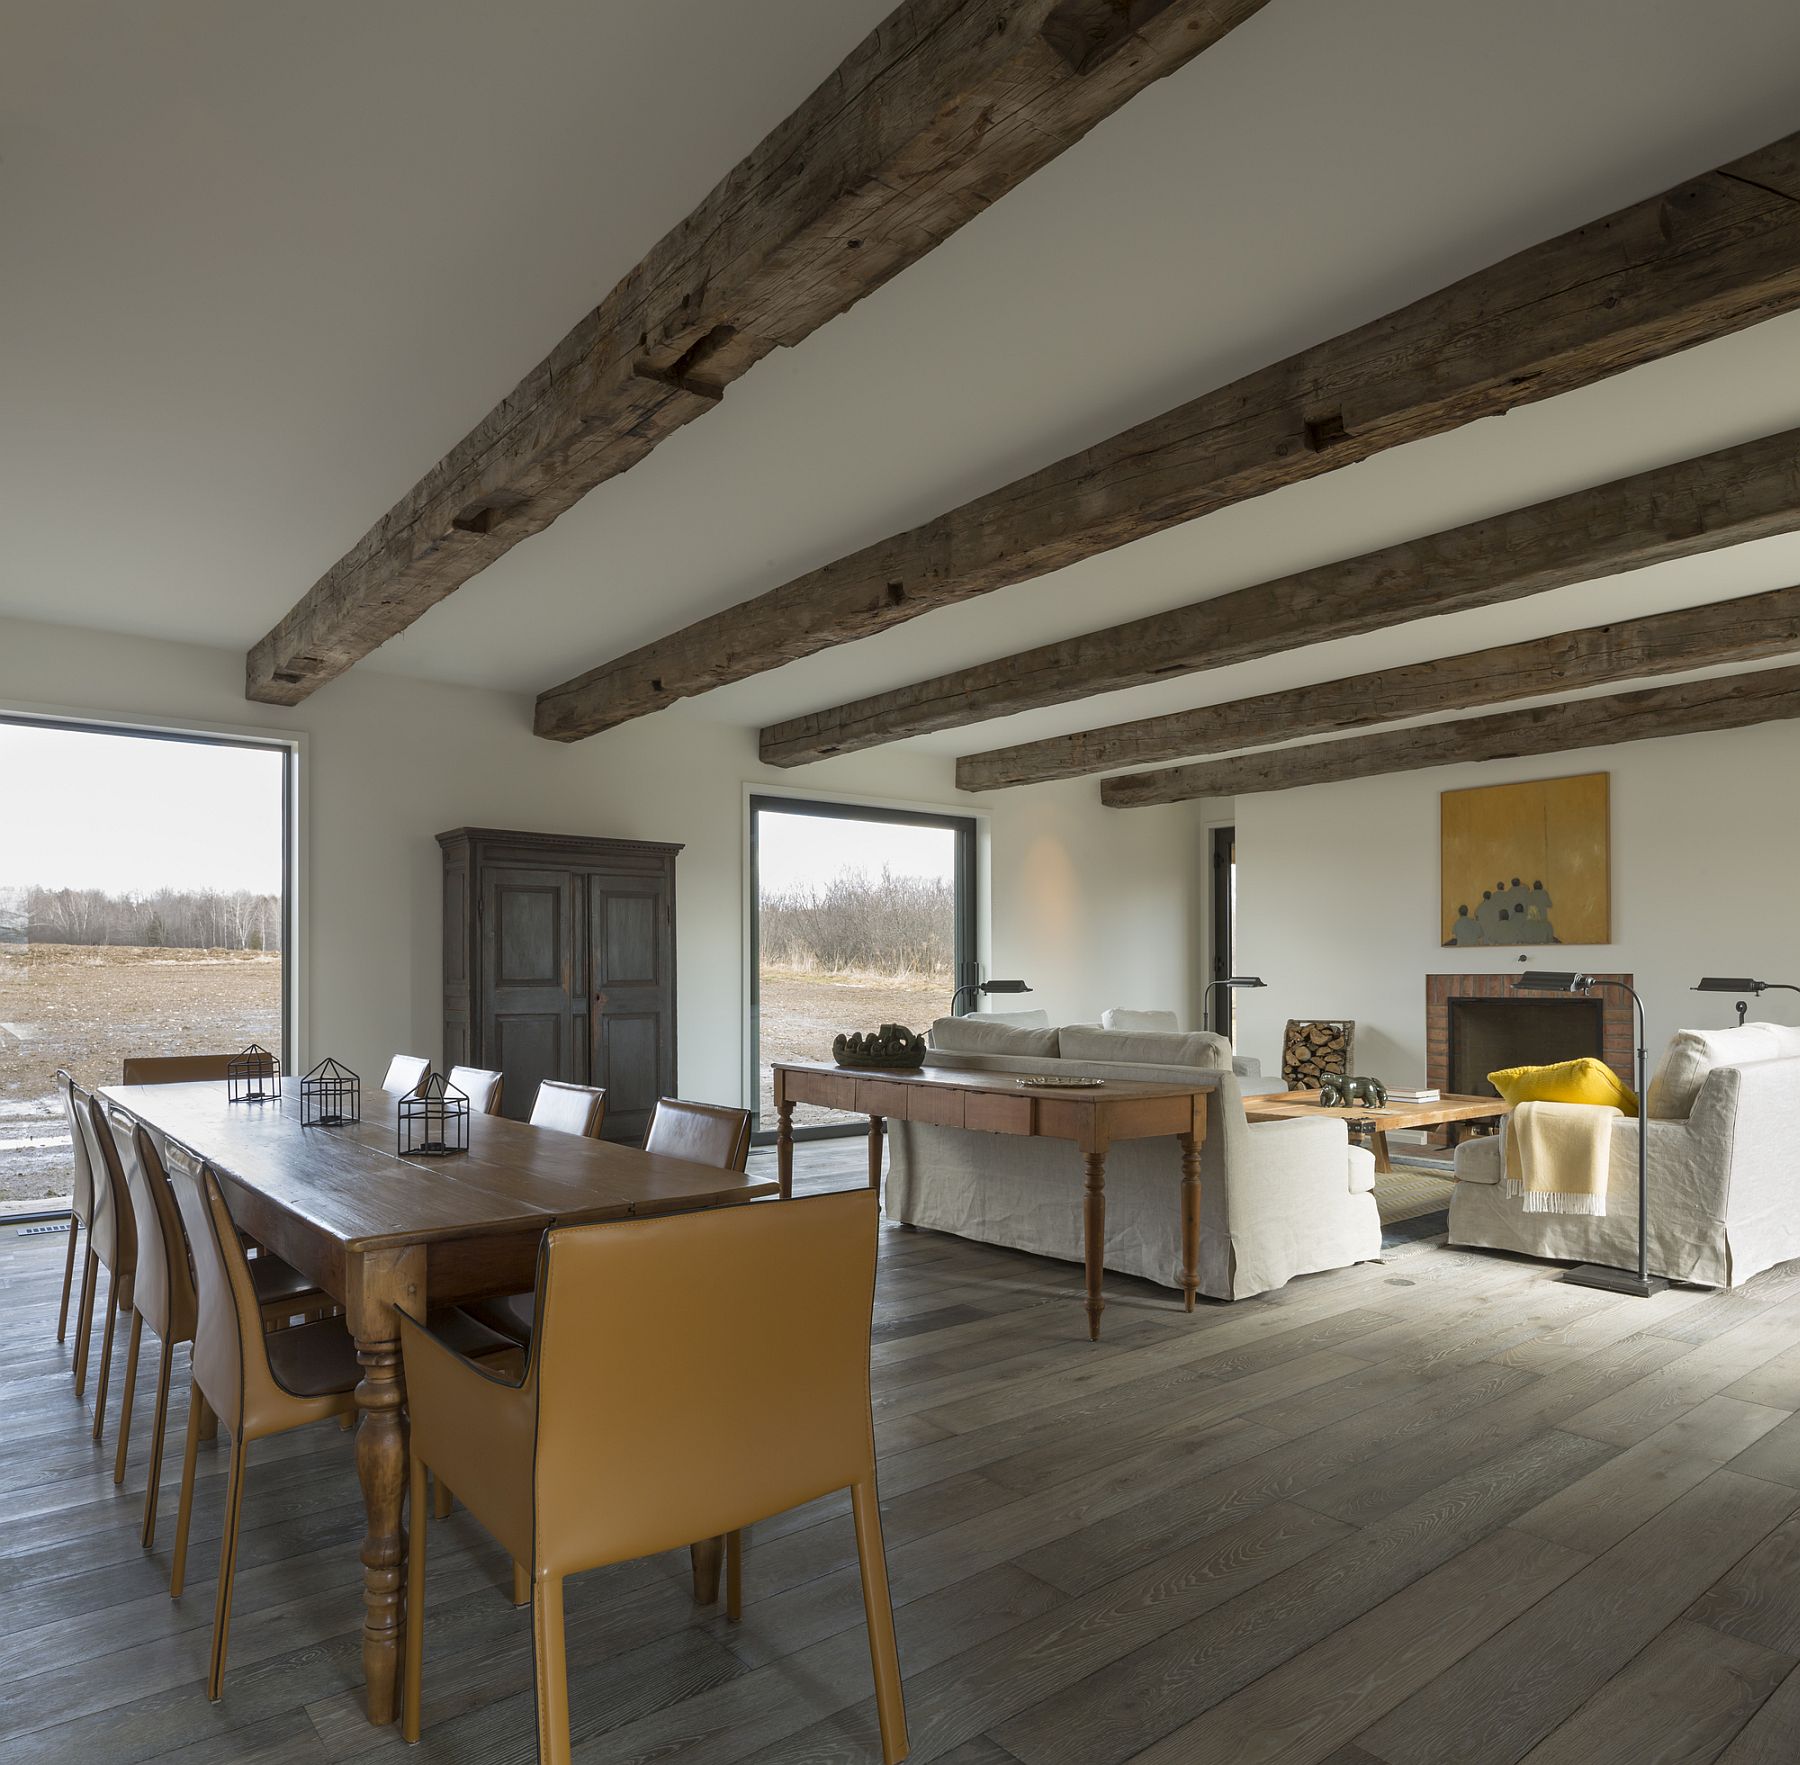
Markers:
1713,983
1642,1283
1237,980
983,987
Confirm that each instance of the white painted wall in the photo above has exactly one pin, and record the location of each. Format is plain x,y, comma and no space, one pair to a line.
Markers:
1092,907
1338,891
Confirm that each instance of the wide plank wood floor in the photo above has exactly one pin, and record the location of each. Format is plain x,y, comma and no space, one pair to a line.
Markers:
1442,1510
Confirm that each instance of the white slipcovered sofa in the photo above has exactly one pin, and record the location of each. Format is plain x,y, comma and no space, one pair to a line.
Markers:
1276,1200
1724,1170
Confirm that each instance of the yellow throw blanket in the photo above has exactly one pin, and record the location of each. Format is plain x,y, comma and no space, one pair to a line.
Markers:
1556,1156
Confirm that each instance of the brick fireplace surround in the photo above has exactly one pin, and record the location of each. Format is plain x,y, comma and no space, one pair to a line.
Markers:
1618,1043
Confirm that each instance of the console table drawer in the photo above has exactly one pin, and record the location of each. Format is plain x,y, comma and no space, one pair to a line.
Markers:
997,1115
940,1108
878,1097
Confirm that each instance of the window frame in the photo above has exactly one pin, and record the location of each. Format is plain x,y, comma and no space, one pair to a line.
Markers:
965,960
289,747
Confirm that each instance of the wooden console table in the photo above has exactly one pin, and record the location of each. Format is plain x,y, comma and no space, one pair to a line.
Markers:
1091,1117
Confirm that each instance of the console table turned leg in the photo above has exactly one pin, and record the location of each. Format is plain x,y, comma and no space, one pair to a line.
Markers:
875,1127
1190,1219
784,1147
1094,1221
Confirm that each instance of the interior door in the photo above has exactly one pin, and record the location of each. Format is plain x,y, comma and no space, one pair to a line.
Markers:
632,1005
529,933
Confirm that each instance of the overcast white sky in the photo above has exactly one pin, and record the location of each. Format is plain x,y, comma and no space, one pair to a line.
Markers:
802,850
131,815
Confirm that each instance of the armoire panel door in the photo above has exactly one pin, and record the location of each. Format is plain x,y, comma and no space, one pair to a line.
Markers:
632,1007
531,1007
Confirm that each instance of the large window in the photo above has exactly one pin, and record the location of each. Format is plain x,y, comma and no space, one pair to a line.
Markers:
862,917
144,909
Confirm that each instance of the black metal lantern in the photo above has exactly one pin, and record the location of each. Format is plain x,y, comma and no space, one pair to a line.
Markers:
330,1096
434,1120
253,1076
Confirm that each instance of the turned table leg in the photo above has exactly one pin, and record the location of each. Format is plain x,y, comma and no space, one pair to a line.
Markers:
784,1147
875,1127
380,1285
1094,1222
1190,1218
381,1464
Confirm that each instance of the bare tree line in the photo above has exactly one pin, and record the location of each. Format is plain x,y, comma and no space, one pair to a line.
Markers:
171,919
894,925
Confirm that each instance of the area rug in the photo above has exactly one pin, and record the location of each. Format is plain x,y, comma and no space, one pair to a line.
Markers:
1413,1204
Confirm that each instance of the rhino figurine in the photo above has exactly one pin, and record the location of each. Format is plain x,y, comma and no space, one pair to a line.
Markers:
1338,1092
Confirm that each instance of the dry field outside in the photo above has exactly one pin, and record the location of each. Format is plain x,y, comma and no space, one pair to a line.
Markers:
86,1007
803,1010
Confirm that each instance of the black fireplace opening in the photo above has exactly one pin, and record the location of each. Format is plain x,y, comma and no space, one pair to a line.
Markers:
1489,1035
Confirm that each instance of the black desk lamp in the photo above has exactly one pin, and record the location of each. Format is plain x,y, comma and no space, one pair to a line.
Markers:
984,987
1589,1274
1237,980
1713,983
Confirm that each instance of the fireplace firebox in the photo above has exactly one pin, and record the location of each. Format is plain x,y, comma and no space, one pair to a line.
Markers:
1477,1023
1489,1035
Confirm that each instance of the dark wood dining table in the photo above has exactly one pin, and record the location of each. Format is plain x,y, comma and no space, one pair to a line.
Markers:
383,1235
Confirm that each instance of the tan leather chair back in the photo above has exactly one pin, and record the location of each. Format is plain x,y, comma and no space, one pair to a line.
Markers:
703,1133
481,1087
181,1069
746,1325
113,1234
164,1290
81,1193
406,1073
569,1109
229,1363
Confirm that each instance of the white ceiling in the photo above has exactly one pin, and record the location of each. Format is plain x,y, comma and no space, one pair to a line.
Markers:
263,264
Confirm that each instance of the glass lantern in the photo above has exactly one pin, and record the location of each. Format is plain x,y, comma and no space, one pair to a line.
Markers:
434,1121
253,1076
330,1096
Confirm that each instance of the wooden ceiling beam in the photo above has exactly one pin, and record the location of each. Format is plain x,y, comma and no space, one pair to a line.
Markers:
1754,628
1694,506
1694,263
1688,708
942,109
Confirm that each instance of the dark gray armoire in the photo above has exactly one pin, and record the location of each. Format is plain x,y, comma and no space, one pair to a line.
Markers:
559,963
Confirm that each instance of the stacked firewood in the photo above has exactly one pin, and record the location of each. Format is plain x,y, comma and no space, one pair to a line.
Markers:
1316,1049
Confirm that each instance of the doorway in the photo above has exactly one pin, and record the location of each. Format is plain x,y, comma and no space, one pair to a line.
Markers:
860,917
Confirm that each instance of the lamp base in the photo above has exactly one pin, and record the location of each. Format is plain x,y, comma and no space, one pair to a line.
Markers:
1593,1274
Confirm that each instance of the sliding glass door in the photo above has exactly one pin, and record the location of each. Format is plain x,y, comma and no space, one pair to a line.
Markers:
145,908
861,917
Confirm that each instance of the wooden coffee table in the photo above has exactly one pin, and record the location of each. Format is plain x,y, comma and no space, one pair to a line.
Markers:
1286,1105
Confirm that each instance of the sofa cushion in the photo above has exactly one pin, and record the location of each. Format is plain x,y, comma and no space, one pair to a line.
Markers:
1199,1048
1692,1054
1569,1081
1118,1019
1020,1020
975,1035
1787,1036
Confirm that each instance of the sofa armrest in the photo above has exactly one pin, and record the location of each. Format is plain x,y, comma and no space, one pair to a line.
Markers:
1478,1160
1246,1066
1298,1156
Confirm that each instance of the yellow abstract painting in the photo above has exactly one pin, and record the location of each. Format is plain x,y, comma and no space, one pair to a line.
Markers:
1527,863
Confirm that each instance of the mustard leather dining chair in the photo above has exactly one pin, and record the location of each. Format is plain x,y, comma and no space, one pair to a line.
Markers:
406,1073
81,1217
703,1133
598,1458
481,1087
256,1384
163,1293
113,1239
569,1109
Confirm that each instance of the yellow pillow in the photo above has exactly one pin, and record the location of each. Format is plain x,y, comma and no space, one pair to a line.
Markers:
1573,1081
